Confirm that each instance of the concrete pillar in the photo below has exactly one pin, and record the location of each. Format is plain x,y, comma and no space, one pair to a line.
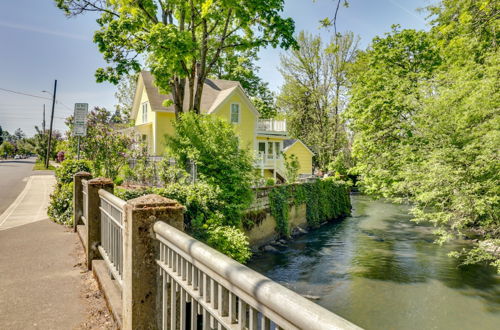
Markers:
94,217
140,249
78,197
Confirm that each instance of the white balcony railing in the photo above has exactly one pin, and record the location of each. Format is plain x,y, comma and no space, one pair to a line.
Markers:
271,126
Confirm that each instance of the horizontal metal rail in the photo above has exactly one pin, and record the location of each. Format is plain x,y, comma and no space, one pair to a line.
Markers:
201,285
111,247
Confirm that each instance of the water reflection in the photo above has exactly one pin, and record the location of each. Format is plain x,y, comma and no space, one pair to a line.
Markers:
382,271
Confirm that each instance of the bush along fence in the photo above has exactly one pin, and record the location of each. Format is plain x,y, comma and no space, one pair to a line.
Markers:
155,276
287,206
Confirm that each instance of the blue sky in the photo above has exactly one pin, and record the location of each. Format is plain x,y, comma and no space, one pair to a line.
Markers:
39,44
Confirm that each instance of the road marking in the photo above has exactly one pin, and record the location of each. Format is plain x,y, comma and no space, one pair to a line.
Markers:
5,215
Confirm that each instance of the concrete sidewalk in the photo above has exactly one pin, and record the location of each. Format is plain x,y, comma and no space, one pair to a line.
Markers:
39,283
31,204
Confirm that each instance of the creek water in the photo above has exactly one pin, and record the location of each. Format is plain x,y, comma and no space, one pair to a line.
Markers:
379,270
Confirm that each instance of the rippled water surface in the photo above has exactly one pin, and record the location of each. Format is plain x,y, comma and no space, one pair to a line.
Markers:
381,271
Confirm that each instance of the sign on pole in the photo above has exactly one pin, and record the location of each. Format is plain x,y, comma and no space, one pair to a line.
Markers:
80,119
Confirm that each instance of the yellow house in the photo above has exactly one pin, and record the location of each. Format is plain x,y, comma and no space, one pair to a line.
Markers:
267,138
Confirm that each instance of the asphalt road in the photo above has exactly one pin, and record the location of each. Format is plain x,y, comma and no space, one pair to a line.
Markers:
13,177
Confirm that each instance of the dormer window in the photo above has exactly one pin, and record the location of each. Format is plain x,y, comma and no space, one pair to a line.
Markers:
145,112
235,113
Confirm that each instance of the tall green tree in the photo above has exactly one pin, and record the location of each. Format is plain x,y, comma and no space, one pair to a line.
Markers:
385,94
314,92
182,40
424,108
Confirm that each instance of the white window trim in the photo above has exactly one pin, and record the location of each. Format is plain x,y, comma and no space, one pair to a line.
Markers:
231,113
144,113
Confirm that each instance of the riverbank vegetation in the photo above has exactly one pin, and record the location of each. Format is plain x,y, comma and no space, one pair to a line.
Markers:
424,107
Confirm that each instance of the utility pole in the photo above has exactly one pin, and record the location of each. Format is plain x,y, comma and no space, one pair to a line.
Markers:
43,121
51,121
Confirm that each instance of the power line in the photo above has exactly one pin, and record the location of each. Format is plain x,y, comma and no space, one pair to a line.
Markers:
31,95
25,94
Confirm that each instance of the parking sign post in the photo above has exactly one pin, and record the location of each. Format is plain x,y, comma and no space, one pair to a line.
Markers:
80,122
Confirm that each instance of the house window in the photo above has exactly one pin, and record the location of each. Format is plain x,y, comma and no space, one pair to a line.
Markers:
262,148
235,113
145,112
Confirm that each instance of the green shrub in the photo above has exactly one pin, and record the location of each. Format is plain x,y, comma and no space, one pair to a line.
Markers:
172,173
220,160
231,241
270,182
204,217
202,202
61,200
69,167
60,207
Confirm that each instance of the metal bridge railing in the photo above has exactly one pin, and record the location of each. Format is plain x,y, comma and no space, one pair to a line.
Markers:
111,248
85,202
202,287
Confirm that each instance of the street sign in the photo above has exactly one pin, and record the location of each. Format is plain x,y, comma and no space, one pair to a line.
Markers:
80,119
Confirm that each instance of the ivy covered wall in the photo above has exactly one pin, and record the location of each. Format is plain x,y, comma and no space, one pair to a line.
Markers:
325,200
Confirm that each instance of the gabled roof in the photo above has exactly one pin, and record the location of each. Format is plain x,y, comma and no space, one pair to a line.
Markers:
215,91
290,142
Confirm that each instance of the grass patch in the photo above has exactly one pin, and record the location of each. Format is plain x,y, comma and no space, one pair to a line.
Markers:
41,167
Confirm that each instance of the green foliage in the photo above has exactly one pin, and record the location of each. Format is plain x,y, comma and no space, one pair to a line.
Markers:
39,144
212,144
204,217
61,200
231,241
203,206
171,173
325,200
424,109
279,204
292,166
104,145
60,207
387,80
270,182
315,91
145,171
69,167
7,149
182,41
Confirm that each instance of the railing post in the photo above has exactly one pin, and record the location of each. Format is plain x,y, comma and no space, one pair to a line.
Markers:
94,216
78,197
140,248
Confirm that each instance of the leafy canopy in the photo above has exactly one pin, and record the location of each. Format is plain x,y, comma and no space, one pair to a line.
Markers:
424,108
181,40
